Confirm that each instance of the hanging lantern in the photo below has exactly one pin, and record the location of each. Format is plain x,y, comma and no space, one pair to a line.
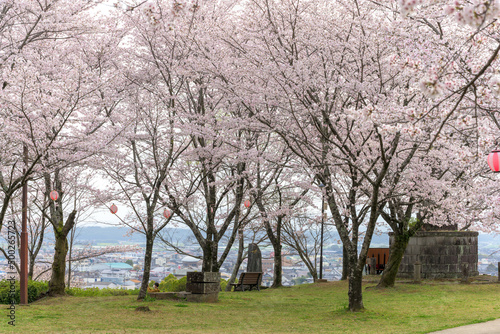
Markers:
247,204
113,208
54,195
166,213
494,160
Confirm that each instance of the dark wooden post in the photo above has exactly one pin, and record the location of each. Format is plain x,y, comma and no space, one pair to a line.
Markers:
24,236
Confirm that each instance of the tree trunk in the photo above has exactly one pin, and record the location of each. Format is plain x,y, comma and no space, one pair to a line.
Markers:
210,263
31,268
239,260
278,260
395,256
278,267
345,264
56,283
69,257
147,265
355,288
355,291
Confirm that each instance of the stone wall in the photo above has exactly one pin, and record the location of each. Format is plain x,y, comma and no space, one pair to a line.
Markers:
441,254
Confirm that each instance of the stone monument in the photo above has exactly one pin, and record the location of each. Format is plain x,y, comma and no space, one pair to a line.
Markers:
254,264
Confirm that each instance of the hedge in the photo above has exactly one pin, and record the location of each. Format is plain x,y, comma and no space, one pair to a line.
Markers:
36,290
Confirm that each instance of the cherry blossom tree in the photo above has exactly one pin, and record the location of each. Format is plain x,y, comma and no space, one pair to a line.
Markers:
25,26
141,163
332,92
205,192
56,105
196,106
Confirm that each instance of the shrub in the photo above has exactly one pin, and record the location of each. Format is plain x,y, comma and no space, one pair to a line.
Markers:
96,292
79,292
172,284
181,284
169,284
36,290
223,284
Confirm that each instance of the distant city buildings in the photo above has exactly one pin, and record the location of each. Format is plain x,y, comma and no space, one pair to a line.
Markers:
111,271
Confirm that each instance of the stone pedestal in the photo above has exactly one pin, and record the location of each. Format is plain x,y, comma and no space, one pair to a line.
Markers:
441,254
203,287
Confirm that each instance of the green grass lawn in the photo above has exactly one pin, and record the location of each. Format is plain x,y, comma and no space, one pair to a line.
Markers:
311,308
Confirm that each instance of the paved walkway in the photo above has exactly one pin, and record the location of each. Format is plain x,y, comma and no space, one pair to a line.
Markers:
490,327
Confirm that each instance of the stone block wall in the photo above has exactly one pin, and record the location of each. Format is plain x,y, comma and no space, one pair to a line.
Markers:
441,254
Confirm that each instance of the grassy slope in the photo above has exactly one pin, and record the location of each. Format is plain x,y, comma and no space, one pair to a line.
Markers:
314,308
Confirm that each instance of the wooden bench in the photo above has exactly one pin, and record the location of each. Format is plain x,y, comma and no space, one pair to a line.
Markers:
248,279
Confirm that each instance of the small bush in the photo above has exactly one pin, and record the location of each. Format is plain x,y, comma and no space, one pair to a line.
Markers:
223,284
96,292
181,284
172,284
35,291
169,284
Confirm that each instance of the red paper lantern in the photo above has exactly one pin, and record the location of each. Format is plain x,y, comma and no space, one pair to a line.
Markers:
494,160
54,195
166,213
113,208
247,204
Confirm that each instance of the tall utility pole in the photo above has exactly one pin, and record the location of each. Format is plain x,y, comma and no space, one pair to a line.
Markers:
24,235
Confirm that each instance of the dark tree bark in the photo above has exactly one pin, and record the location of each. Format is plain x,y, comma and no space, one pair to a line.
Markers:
210,263
278,265
355,292
148,255
70,261
56,284
395,257
61,231
403,229
345,264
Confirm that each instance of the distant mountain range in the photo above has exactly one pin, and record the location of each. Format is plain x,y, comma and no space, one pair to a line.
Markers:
110,234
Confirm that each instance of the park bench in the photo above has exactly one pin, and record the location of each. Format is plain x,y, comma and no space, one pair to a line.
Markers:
248,279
